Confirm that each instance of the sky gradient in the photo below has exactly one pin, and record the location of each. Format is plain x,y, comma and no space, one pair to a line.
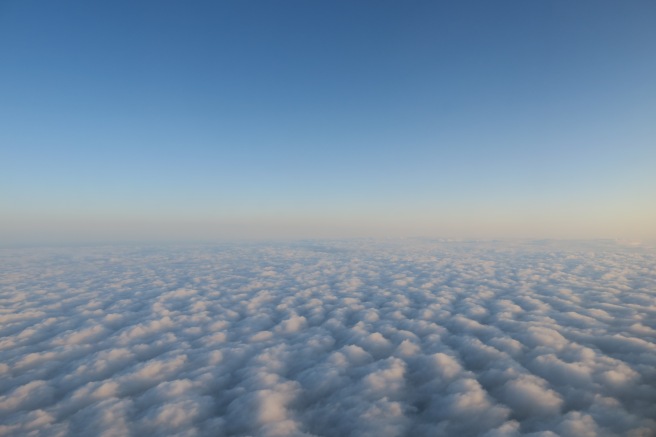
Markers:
238,119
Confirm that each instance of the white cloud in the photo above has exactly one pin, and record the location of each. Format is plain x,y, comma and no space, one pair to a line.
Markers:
357,338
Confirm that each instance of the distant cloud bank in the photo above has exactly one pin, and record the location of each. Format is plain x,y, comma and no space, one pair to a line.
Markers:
329,339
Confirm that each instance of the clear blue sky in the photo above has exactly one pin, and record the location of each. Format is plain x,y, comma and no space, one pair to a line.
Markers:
205,119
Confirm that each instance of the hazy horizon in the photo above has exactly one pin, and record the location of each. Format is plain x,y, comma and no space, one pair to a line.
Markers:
158,233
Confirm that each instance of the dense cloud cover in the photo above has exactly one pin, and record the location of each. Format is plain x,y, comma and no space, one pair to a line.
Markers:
417,338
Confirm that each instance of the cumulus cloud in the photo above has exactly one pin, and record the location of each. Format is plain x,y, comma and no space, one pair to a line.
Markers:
414,338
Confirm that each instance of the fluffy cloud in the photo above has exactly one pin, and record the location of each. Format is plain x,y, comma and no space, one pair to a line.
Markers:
354,338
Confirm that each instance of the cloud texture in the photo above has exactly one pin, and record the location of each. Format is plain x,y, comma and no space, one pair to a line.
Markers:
335,339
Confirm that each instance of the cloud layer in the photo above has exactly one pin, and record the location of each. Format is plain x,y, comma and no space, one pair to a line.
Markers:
335,339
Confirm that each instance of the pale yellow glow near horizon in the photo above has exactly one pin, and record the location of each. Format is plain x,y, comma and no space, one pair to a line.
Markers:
482,225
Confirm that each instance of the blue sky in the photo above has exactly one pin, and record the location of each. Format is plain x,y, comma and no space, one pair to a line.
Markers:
171,119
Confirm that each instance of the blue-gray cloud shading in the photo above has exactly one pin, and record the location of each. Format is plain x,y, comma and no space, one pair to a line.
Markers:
414,338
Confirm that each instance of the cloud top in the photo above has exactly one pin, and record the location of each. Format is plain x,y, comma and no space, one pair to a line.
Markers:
422,338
